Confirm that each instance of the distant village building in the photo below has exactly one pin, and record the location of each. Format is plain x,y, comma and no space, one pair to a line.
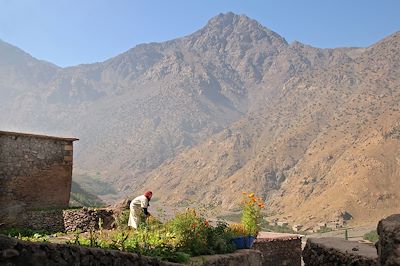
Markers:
297,227
35,172
282,223
333,225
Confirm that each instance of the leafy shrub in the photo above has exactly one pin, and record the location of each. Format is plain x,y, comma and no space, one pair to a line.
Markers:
121,220
190,230
371,236
194,234
219,238
188,234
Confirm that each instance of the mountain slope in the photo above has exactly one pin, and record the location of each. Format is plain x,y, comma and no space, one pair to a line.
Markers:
19,72
136,110
231,107
328,132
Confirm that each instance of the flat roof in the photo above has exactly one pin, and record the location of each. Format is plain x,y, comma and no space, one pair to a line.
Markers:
9,133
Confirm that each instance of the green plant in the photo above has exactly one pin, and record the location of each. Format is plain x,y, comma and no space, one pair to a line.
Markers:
237,229
190,231
219,238
119,242
188,234
371,236
251,213
121,221
27,234
93,237
325,230
194,235
35,238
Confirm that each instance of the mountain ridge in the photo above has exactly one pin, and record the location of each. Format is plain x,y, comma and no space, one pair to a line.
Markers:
228,106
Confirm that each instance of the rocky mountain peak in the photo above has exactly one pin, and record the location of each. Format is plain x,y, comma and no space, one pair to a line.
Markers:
230,28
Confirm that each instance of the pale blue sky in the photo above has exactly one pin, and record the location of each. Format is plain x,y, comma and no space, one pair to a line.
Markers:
71,32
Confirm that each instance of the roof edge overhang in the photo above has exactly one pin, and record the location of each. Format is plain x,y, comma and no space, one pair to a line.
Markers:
10,133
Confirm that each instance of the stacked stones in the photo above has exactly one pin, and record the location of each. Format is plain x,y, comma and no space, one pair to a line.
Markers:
18,252
337,251
388,245
59,220
45,220
279,248
86,219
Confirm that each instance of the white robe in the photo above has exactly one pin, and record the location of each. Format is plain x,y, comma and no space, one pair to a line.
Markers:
136,209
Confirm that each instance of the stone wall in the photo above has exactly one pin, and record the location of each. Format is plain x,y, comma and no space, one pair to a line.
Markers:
242,257
35,172
338,251
86,219
388,245
278,248
50,221
59,220
18,252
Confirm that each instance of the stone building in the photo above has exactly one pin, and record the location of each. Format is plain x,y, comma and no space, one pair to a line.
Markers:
35,173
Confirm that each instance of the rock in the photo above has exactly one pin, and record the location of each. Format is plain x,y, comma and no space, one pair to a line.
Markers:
9,253
388,245
121,205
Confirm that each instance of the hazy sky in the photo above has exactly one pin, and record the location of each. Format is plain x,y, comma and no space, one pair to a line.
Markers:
71,32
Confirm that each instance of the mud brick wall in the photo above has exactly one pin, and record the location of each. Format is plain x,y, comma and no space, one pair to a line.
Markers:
35,172
279,250
388,245
337,251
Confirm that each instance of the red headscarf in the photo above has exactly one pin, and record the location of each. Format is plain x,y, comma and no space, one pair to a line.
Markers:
148,194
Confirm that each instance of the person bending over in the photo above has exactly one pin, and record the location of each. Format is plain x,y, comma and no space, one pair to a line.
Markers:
138,206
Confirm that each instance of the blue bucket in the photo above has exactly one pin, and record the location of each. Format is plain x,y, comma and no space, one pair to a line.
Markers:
243,242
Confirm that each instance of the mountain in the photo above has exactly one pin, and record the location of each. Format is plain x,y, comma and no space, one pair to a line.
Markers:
19,72
231,107
157,99
327,144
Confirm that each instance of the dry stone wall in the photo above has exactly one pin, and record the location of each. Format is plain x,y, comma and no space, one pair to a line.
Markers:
337,251
388,245
35,172
83,219
18,252
279,249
